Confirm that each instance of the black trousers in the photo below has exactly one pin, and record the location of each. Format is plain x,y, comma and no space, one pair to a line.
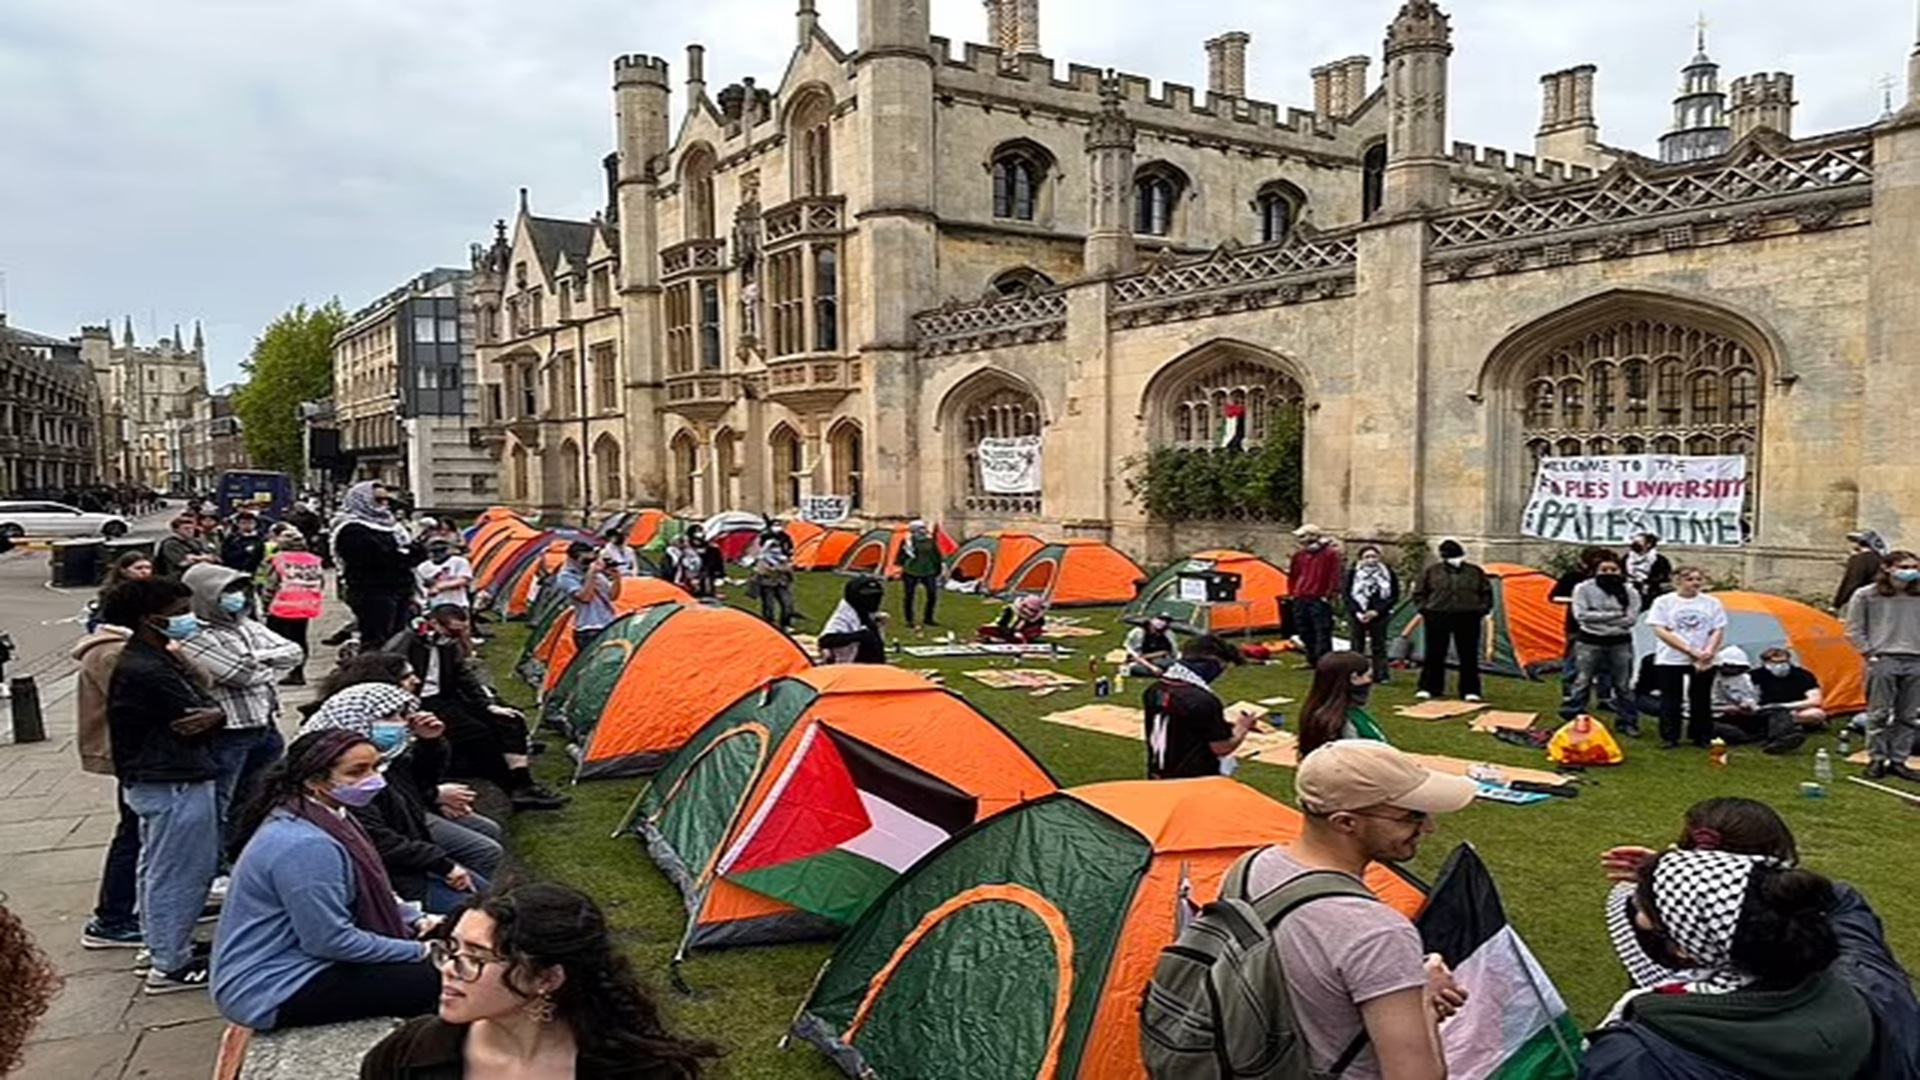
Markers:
478,740
119,876
1459,631
912,583
1370,640
1313,624
380,615
1696,703
294,630
343,992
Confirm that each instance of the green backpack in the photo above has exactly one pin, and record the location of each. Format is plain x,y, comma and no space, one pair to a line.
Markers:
1219,1007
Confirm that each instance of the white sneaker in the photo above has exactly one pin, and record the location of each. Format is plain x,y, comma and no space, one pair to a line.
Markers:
1422,695
1472,699
217,892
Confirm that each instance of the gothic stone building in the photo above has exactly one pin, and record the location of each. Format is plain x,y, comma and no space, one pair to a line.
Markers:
840,284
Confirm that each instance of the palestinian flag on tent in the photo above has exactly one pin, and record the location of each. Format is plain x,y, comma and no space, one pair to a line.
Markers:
843,821
1233,426
1515,1025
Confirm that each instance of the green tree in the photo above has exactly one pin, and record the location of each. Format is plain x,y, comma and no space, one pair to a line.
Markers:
291,363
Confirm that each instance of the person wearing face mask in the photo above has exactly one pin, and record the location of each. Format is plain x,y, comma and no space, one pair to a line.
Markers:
1605,608
590,582
377,555
312,932
1336,705
1372,592
852,634
1187,730
1883,623
1313,582
1151,647
1453,597
294,590
445,575
1649,571
246,547
413,756
161,726
244,661
1739,718
1787,686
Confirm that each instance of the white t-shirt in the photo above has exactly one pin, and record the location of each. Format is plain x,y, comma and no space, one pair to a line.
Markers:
456,567
1692,621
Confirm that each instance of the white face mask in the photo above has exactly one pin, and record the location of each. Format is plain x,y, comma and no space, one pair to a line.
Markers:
1457,560
1779,670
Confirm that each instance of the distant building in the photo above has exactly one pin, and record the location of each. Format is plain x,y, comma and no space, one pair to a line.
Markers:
151,394
405,393
211,440
49,416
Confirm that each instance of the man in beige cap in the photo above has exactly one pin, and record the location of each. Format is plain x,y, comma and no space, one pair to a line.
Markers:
1362,987
1314,578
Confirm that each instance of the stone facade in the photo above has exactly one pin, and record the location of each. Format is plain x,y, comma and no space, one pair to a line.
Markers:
150,392
841,284
49,417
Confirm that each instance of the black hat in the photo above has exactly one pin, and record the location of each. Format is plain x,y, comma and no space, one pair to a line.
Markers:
579,548
1451,549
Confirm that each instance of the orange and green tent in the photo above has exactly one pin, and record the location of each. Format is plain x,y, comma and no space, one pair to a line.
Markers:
1262,587
824,550
991,558
494,545
1077,573
653,678
873,553
1022,947
801,802
1759,621
1525,634
550,645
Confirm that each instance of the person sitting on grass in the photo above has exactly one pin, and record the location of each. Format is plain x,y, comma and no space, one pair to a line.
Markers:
1759,998
1187,730
1020,623
413,756
1750,827
1786,685
311,932
1738,716
1151,647
1336,705
852,634
532,985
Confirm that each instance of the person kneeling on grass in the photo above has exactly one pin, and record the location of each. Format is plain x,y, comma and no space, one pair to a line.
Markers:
1786,685
1020,623
1336,706
532,986
1760,999
311,932
1151,647
1738,715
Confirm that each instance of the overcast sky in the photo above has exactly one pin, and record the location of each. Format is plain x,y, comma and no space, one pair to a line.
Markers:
225,159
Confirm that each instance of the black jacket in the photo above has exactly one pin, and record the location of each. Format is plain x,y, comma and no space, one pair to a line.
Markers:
149,691
429,1048
1862,570
457,678
396,820
244,552
374,560
1454,590
1380,605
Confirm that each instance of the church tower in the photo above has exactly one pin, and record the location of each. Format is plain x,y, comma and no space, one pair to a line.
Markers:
1700,111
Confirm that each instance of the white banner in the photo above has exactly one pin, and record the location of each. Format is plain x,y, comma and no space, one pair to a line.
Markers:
826,509
1010,466
1696,501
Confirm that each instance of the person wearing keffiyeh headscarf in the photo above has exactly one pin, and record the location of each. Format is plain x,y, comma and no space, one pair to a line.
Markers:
377,555
1372,591
1755,995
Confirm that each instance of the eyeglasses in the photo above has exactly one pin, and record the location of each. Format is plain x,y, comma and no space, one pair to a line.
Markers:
1411,817
466,967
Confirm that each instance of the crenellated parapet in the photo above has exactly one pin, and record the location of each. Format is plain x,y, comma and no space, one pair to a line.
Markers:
640,69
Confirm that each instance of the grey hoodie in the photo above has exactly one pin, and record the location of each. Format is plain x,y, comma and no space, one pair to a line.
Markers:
243,658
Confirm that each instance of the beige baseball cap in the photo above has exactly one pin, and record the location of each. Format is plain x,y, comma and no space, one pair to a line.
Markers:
1355,774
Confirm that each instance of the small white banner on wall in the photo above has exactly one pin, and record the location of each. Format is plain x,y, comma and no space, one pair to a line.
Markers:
1010,466
1695,501
826,509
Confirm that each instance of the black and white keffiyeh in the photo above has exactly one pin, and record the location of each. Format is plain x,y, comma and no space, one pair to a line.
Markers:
1698,896
1371,581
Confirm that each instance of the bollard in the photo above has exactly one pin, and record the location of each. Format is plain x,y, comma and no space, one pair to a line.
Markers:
28,725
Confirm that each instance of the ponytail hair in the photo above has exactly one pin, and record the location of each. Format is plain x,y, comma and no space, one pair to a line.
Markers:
1785,936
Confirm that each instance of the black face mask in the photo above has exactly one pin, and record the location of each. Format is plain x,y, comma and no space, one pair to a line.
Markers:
1206,667
1360,695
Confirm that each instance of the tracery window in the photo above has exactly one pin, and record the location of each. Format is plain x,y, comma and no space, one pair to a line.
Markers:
1019,174
1157,187
1201,404
810,132
1002,412
1278,205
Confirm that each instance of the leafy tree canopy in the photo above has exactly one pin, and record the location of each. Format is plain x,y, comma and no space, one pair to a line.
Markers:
291,363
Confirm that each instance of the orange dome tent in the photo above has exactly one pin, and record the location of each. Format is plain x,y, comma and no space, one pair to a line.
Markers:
646,525
494,545
991,558
555,650
1262,586
1078,573
824,552
1051,915
1759,621
873,553
798,805
654,677
519,587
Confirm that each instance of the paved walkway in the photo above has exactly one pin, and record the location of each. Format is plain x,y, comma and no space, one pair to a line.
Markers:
55,822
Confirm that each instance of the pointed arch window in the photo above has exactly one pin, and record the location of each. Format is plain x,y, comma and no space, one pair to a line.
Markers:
1157,188
810,133
1020,169
696,193
787,462
1260,393
1278,205
998,409
1373,180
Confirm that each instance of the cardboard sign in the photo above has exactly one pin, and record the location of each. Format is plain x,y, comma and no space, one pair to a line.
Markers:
1695,501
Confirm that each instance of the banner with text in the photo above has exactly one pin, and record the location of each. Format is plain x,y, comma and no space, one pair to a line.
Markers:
1010,466
1695,501
826,509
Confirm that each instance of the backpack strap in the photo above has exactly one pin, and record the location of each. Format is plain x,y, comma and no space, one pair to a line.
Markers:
1276,904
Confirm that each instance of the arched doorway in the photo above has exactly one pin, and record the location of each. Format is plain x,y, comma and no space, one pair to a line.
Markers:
609,478
685,454
787,460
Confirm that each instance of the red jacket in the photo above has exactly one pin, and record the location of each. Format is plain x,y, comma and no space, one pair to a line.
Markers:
1314,575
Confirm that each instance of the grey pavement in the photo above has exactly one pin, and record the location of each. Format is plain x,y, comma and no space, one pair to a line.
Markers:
55,822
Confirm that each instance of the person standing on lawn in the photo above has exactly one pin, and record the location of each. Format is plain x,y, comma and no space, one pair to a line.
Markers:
1313,583
1691,626
1863,566
1647,569
1372,592
1187,730
1454,598
162,725
773,579
590,583
1883,623
921,565
295,592
1604,610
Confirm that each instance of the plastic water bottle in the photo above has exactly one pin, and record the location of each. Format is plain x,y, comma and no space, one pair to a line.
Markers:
1846,741
1823,766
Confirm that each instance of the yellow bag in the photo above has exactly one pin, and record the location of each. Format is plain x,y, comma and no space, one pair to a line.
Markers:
1584,741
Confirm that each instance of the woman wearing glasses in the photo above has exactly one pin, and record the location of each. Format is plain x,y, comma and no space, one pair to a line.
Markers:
311,932
530,986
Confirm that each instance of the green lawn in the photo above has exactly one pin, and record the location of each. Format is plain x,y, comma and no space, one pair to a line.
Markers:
1545,856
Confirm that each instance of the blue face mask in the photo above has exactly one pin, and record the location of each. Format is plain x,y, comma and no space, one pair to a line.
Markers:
181,627
388,736
1905,576
233,603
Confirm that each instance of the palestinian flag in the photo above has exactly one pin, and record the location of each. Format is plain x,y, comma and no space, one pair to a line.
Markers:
1515,1026
843,821
1233,426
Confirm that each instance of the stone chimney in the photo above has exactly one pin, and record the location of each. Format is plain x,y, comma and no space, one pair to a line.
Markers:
1227,64
1340,88
1762,101
1568,131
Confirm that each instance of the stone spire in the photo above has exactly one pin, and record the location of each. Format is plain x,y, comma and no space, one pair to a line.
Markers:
1699,111
179,342
199,337
1419,43
1110,146
126,336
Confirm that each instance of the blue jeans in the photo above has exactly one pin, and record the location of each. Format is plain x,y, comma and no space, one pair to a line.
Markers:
179,855
473,841
1609,670
1313,625
244,754
444,899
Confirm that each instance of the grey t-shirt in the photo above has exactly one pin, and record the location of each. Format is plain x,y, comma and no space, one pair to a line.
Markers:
1339,953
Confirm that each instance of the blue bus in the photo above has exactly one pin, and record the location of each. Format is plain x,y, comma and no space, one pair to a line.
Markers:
268,494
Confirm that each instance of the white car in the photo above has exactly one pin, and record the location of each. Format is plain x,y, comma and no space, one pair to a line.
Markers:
18,519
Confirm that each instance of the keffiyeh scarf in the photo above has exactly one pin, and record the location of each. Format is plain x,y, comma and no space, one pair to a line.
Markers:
1698,895
1371,581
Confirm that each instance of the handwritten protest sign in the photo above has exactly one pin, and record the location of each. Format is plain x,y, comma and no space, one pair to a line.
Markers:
825,509
1696,501
1010,466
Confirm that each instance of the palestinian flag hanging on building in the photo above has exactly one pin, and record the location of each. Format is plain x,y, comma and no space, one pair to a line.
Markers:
843,821
1233,426
1515,1025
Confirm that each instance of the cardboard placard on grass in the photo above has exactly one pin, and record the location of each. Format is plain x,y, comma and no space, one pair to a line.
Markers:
1439,710
1504,721
1105,719
1022,678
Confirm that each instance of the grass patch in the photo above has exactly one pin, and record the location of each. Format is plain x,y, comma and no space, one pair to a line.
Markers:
1544,856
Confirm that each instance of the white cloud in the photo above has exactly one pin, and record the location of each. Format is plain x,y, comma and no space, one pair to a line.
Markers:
225,159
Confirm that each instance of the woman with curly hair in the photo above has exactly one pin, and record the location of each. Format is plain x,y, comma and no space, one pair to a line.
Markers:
28,983
531,986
